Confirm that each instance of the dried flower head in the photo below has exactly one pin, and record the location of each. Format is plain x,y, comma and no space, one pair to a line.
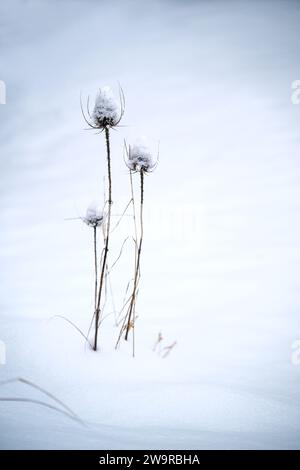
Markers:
94,216
107,111
139,157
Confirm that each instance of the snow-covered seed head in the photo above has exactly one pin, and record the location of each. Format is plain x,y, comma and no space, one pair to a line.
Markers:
94,215
107,112
139,156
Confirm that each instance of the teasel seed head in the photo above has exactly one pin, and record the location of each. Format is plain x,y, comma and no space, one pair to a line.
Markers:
107,112
139,157
94,216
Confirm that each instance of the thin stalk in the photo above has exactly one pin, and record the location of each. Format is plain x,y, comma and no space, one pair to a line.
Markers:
134,214
135,253
123,320
96,266
138,259
42,403
42,390
106,242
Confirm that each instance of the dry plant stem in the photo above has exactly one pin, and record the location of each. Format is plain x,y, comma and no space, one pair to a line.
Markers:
137,266
106,242
135,254
96,266
124,321
42,403
73,324
134,215
67,411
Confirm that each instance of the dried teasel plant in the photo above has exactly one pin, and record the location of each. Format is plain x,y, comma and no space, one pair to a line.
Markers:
157,344
168,349
163,351
94,218
107,114
138,159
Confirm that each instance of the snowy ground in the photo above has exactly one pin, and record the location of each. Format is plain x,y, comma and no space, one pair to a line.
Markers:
221,255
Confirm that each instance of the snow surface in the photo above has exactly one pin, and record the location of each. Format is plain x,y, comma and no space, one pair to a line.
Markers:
221,256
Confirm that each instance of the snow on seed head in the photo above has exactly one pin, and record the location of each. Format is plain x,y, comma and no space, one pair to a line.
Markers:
106,111
94,215
139,156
